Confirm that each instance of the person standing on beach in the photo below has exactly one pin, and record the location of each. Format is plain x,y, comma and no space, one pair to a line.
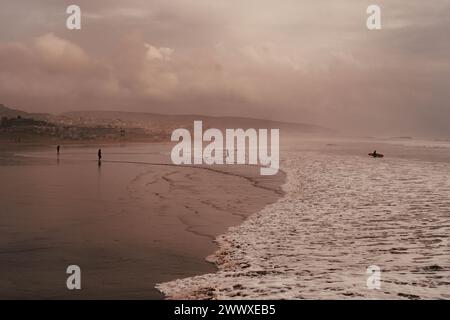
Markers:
57,149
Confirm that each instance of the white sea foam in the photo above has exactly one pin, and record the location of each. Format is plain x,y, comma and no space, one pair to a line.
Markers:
340,215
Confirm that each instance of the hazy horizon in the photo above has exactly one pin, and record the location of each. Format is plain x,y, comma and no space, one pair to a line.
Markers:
294,61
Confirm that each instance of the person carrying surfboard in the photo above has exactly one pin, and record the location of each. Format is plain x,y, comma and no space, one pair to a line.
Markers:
376,155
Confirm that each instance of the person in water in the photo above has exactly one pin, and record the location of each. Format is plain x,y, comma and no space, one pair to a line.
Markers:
375,153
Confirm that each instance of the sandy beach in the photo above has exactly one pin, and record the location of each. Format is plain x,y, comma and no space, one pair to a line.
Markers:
130,223
142,228
213,150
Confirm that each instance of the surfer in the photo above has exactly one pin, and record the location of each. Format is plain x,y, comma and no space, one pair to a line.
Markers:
376,155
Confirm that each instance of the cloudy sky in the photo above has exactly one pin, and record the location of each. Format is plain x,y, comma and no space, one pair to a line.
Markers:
304,61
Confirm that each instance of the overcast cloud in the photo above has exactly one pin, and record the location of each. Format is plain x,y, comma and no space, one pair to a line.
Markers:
304,61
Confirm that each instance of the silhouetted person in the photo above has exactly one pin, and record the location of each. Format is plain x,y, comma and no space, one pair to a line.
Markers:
99,153
57,149
375,153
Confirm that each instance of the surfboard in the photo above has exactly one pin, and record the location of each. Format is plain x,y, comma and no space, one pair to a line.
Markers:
377,155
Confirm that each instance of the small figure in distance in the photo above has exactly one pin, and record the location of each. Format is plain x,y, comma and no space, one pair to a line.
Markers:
376,155
99,153
57,149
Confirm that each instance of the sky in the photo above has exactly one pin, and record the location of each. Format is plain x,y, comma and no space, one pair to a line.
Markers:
291,60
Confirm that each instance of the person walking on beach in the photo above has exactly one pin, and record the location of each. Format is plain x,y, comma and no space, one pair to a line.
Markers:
57,149
99,153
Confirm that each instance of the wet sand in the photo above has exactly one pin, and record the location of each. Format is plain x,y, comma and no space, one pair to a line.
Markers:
130,223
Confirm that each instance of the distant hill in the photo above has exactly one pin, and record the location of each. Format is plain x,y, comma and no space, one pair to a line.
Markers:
13,113
186,121
160,122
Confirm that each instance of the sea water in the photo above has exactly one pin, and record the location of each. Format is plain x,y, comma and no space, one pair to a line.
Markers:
342,213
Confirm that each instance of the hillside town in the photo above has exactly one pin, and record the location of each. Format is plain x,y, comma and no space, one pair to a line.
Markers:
21,127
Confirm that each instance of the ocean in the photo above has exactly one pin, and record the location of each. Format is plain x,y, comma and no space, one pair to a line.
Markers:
342,213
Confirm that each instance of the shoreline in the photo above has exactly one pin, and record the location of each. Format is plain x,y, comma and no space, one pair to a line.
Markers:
180,211
342,214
